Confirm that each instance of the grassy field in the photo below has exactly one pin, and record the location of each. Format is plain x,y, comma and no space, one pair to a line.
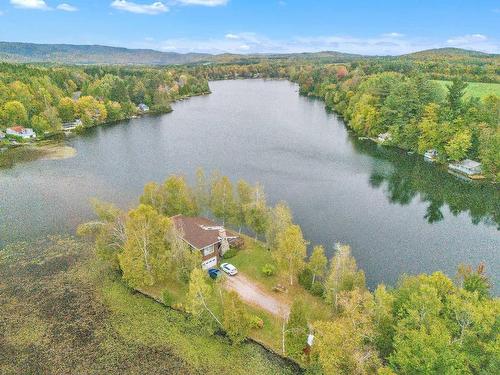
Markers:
61,312
476,89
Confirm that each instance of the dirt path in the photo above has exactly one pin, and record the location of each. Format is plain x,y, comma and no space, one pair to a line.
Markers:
254,295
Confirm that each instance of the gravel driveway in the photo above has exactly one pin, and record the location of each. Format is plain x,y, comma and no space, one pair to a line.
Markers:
254,295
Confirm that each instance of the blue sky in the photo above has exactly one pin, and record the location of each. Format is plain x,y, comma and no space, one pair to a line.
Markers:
248,26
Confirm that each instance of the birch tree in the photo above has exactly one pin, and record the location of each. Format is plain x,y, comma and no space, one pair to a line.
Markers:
184,259
244,191
291,251
202,191
343,275
199,299
280,217
318,262
108,231
145,257
222,199
179,199
153,196
256,212
343,344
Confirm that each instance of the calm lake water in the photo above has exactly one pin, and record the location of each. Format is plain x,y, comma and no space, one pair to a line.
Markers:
400,214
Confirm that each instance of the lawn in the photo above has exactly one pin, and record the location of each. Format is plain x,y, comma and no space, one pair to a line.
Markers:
476,89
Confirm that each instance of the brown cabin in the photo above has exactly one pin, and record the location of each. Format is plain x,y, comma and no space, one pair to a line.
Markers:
204,235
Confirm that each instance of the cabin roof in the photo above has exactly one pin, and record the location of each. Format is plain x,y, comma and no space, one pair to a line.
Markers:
17,129
470,163
199,232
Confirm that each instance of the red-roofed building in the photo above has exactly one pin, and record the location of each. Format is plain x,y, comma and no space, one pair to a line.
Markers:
206,236
21,131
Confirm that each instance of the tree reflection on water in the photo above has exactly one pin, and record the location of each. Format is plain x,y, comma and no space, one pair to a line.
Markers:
404,177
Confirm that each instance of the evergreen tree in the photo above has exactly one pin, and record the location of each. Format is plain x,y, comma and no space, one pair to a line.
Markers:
297,330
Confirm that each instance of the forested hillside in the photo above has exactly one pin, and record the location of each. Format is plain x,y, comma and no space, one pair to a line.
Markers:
91,54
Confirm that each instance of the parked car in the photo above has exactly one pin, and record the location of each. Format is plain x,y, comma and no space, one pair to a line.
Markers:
229,269
214,273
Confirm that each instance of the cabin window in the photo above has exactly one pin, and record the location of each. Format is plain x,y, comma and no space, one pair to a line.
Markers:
208,250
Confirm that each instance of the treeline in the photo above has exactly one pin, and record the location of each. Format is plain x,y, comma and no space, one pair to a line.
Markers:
425,324
398,97
45,97
442,65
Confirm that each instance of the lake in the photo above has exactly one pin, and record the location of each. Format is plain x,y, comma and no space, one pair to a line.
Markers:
399,213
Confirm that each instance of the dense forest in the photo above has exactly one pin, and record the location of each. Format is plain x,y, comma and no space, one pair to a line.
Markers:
45,97
428,324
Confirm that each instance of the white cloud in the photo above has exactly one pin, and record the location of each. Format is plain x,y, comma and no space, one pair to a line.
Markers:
67,7
467,39
250,42
393,35
30,4
129,6
207,3
477,42
232,36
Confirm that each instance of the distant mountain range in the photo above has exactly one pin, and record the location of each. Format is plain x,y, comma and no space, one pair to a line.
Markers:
92,54
96,54
449,52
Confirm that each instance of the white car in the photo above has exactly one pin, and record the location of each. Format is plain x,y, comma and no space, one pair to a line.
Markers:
229,269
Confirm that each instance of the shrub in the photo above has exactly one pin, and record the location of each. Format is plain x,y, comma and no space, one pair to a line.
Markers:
305,278
317,289
256,322
230,253
167,297
268,269
178,306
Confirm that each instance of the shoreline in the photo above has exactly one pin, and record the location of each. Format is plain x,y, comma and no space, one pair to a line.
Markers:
53,146
437,163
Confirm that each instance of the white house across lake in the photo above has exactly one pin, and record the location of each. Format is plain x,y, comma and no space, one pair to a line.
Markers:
384,137
467,167
143,107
